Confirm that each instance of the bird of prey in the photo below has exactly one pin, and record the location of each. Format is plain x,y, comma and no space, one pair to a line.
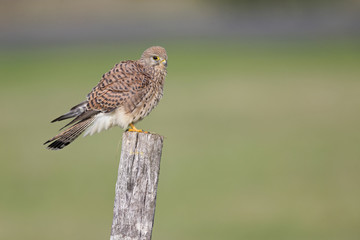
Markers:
125,95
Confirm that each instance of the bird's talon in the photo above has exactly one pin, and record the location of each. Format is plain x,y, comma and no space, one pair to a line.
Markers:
134,129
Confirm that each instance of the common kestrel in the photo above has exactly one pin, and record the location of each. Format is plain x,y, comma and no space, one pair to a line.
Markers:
124,95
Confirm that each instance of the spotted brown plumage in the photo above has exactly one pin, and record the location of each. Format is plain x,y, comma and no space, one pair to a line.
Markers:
125,95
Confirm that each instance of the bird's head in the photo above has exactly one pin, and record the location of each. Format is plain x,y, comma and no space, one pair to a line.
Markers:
155,57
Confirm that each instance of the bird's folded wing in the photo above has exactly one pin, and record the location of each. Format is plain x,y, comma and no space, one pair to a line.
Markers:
121,86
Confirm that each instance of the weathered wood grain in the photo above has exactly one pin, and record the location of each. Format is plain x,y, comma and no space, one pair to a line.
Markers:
136,186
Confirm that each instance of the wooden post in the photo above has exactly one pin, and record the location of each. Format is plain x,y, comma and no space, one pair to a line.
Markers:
136,186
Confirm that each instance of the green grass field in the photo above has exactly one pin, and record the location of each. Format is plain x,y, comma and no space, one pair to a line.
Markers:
261,142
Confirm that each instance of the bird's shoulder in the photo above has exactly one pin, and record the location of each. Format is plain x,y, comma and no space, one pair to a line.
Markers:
122,76
119,83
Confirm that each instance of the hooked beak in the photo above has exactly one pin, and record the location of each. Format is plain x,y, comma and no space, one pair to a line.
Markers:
164,62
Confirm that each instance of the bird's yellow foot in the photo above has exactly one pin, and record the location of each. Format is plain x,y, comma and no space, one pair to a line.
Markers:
134,129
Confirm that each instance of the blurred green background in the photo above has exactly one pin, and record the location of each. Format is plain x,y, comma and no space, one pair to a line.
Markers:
260,117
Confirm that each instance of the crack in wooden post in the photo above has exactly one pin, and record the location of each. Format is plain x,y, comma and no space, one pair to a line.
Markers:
136,186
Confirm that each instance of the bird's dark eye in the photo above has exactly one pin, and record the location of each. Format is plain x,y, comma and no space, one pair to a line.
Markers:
156,58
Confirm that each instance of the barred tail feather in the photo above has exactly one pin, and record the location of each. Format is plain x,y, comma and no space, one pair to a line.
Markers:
66,137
